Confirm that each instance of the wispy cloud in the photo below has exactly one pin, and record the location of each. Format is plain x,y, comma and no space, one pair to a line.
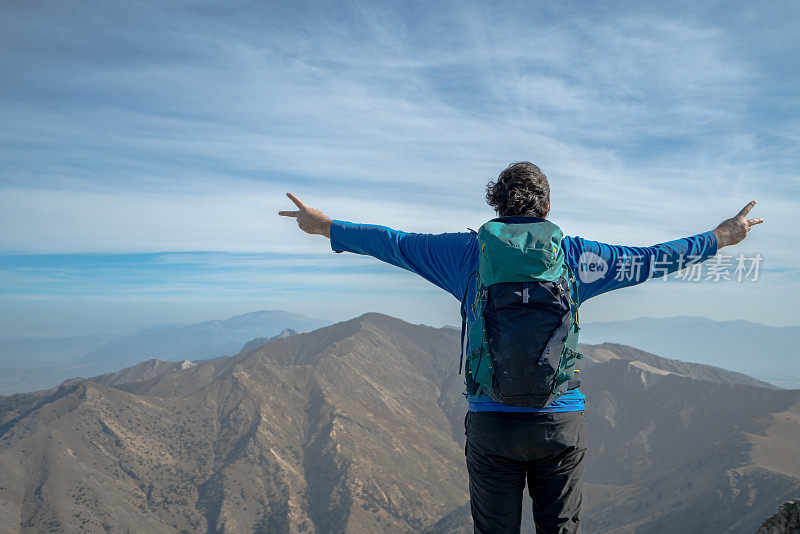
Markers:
149,128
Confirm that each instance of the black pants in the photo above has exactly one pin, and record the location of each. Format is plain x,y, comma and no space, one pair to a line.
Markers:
504,449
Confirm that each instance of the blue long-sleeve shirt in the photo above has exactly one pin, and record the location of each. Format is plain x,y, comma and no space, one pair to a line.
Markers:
447,260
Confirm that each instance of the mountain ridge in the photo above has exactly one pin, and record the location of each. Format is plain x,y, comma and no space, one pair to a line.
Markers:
761,351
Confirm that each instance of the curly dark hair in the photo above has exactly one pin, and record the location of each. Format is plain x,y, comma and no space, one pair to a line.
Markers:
521,189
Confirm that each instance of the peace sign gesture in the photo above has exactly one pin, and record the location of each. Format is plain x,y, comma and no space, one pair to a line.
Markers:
733,230
309,220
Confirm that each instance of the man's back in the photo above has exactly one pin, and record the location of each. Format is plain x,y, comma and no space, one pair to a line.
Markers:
448,261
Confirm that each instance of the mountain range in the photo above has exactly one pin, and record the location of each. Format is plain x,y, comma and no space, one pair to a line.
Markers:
358,427
31,363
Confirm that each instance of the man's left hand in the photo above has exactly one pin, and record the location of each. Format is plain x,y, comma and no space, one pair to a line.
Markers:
733,230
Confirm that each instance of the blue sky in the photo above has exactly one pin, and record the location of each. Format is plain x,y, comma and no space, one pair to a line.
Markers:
145,147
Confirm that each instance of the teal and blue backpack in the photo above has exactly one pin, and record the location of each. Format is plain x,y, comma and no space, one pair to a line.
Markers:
524,337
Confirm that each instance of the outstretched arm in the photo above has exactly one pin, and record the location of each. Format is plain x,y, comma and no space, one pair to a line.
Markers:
602,267
442,259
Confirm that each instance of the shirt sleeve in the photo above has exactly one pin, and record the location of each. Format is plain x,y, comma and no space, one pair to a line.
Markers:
601,267
442,259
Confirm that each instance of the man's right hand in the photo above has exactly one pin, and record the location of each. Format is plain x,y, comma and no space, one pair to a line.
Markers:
309,220
733,230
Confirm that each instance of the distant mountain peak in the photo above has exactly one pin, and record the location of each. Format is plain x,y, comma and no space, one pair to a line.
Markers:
206,340
259,342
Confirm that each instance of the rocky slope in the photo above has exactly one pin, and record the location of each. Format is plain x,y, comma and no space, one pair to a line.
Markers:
785,521
358,427
692,450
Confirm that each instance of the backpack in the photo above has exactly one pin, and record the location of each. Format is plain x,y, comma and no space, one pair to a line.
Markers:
524,337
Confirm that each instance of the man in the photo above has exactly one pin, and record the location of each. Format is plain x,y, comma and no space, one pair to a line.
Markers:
507,445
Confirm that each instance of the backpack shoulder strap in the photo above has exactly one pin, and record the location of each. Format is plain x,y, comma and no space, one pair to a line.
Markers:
464,320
